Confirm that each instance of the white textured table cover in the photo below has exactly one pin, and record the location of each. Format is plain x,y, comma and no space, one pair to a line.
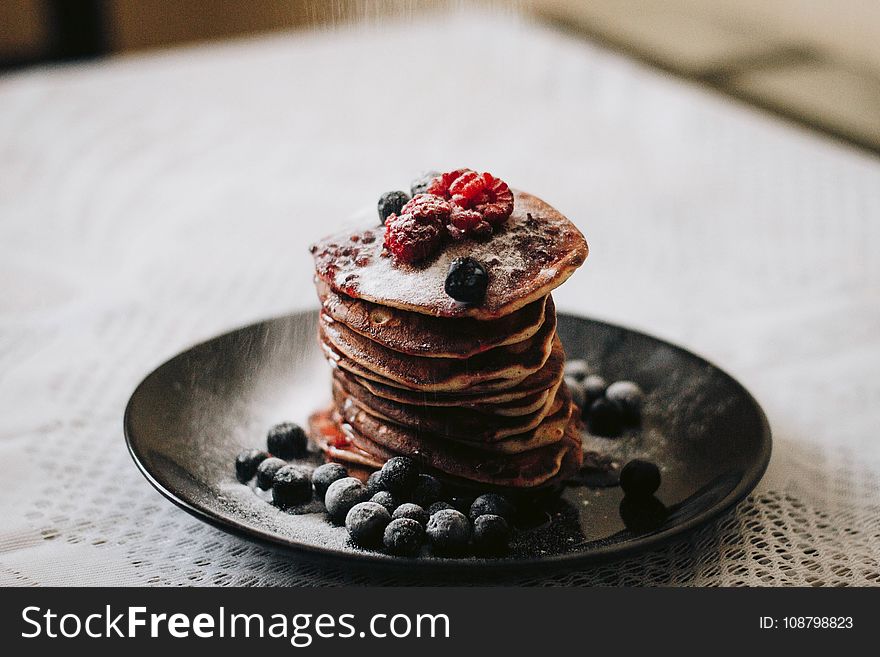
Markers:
150,202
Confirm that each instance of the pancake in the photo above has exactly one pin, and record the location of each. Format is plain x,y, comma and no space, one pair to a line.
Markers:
431,337
524,393
535,251
339,449
522,470
502,366
454,423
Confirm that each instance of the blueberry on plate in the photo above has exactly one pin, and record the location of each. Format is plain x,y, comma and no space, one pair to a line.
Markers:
639,478
462,503
326,474
411,511
492,504
287,441
466,281
628,396
291,485
427,491
642,514
594,387
403,537
449,532
342,495
266,471
398,476
373,485
422,182
386,499
439,505
391,203
246,463
577,369
605,418
491,535
366,523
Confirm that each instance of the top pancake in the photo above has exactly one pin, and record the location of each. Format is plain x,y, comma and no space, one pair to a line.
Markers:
535,251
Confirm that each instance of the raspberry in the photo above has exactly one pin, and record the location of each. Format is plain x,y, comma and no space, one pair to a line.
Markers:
487,201
410,239
428,208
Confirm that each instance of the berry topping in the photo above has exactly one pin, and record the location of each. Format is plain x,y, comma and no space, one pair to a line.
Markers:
291,485
373,485
403,537
449,531
391,203
246,464
577,369
399,476
411,511
410,239
428,208
420,185
342,495
366,523
488,198
287,441
325,475
467,280
594,387
492,504
639,478
491,534
266,471
386,499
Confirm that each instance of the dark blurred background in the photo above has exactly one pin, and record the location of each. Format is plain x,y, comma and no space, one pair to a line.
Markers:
816,62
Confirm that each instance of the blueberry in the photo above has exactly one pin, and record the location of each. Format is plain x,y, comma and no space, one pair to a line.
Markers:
287,441
391,203
427,491
605,418
420,185
576,389
342,495
628,396
266,471
594,387
639,478
577,370
403,537
398,476
246,463
291,485
467,280
386,499
439,506
373,485
449,531
325,475
411,511
366,523
492,504
491,534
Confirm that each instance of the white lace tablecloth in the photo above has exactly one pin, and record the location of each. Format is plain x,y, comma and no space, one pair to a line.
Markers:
153,201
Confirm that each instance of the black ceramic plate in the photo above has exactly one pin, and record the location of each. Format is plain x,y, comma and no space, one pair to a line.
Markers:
188,419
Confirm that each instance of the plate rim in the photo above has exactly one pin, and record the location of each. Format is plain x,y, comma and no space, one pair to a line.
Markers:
607,552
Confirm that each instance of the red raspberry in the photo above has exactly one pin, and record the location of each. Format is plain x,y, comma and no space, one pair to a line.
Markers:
467,222
428,207
412,240
484,194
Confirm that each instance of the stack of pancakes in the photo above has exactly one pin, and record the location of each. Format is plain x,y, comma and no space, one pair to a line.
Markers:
474,392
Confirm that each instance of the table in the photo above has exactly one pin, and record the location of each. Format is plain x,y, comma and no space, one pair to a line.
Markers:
152,201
